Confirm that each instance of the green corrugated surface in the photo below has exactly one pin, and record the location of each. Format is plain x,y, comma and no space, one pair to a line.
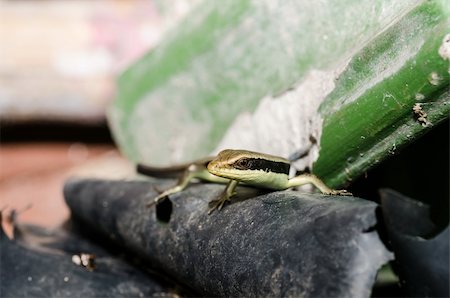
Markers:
380,119
177,102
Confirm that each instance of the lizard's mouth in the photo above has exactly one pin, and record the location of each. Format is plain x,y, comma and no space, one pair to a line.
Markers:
216,169
213,168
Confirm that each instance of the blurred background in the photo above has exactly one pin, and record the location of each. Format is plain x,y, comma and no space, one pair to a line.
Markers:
59,61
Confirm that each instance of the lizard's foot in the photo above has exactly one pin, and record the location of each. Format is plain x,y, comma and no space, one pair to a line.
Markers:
218,204
339,192
225,196
156,200
165,194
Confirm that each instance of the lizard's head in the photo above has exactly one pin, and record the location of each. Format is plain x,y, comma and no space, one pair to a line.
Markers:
246,166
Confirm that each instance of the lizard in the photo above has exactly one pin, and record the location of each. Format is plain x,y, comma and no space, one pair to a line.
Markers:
233,167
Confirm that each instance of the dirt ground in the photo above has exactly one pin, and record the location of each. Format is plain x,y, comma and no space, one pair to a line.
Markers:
32,177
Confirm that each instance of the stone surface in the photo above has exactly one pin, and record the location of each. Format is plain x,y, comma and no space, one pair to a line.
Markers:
38,263
421,247
277,244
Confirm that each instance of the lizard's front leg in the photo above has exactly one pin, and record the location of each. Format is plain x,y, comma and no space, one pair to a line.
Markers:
194,171
225,196
182,183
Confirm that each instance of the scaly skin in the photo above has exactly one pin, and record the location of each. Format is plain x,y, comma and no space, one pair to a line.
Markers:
238,166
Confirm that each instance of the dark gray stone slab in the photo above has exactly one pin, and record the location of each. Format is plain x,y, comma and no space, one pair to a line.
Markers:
38,263
279,244
421,247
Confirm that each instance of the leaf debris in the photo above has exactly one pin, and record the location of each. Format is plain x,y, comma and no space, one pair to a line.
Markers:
420,114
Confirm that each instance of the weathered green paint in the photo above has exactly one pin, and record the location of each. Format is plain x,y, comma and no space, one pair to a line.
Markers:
192,38
360,132
177,102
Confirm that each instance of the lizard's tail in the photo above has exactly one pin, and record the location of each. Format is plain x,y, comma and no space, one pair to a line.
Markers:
161,172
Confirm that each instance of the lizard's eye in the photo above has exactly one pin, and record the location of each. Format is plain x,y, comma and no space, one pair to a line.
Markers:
243,164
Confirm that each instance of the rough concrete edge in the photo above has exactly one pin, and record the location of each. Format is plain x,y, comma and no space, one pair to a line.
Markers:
286,124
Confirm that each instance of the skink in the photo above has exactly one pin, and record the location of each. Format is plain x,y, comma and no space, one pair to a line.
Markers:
234,167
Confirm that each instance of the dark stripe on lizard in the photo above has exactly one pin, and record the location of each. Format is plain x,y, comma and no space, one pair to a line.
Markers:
262,164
